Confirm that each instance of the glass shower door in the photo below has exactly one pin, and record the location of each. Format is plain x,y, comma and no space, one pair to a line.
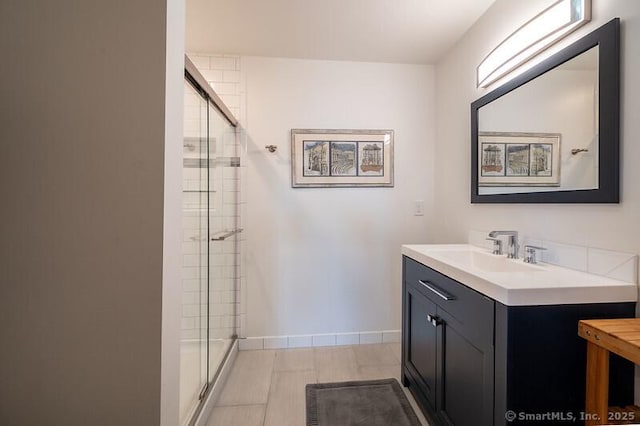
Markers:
223,245
210,244
195,273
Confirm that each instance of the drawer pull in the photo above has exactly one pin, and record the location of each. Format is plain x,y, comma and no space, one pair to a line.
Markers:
438,291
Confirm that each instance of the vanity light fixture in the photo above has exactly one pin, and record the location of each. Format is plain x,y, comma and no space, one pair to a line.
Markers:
546,28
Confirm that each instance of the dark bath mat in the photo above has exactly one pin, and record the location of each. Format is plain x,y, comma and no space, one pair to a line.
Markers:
370,403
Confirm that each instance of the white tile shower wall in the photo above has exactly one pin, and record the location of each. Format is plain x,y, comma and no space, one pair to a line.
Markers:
222,72
225,274
612,264
192,295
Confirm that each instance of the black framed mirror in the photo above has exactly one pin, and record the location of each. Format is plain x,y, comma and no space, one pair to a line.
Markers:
551,135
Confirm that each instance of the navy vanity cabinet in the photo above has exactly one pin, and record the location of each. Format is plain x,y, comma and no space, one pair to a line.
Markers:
471,360
540,362
466,376
421,343
448,354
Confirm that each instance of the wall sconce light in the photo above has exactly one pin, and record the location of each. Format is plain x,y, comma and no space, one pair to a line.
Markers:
549,26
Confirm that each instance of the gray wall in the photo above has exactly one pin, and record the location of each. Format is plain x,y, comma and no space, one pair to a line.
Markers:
82,132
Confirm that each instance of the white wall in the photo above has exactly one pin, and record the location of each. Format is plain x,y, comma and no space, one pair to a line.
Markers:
328,260
612,227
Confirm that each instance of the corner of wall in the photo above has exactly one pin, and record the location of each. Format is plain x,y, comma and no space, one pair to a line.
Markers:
172,217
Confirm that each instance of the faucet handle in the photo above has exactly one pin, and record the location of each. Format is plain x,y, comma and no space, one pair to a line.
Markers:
497,245
530,253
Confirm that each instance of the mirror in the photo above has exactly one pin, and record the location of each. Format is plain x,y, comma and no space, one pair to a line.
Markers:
551,134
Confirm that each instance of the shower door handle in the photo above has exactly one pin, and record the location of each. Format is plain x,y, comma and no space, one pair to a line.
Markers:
226,235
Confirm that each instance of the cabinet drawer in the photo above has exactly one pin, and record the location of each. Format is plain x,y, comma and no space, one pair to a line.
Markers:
473,311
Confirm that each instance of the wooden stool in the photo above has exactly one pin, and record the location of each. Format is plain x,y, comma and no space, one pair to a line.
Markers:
620,336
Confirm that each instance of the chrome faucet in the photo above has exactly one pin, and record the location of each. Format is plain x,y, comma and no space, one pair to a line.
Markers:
497,245
530,253
512,242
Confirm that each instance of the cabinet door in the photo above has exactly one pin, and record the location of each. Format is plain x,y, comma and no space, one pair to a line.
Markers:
465,390
420,342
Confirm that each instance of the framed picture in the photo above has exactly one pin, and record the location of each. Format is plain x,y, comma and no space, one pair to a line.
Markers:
341,158
519,159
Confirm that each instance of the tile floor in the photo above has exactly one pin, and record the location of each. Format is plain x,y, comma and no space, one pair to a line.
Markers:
266,387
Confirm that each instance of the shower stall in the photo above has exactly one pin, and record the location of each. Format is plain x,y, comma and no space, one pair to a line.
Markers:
211,249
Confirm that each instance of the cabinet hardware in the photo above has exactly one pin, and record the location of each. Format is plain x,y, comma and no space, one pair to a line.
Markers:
438,291
434,320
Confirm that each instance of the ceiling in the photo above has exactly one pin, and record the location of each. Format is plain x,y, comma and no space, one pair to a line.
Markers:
396,31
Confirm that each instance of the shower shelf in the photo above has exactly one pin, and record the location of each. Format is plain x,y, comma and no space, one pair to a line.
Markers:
203,163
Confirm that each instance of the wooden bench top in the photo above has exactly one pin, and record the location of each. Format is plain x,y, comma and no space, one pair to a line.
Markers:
620,336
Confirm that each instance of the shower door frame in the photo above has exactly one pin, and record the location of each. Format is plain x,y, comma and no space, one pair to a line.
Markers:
200,85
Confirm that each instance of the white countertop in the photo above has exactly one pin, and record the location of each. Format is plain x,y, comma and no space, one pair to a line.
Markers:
518,283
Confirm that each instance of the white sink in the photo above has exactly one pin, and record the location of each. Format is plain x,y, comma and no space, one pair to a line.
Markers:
485,261
513,282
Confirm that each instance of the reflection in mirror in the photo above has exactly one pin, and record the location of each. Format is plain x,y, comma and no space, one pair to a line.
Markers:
551,134
532,151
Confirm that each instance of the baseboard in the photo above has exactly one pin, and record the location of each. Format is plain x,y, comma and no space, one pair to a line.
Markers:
207,407
314,340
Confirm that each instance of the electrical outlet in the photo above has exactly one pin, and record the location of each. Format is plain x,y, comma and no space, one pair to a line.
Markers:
418,208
